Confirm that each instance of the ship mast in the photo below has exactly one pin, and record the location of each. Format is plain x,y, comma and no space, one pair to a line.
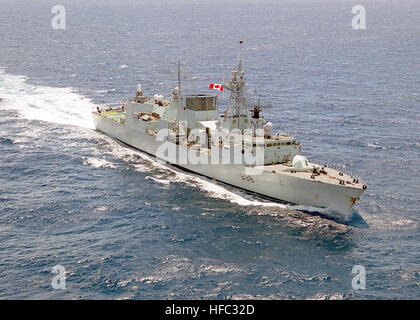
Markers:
179,79
236,105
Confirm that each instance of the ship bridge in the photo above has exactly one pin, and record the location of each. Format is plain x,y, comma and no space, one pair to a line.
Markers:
197,107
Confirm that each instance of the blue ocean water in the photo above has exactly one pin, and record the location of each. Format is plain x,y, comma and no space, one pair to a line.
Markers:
125,226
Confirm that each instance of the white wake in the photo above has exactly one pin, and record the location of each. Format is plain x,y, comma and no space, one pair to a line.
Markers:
57,105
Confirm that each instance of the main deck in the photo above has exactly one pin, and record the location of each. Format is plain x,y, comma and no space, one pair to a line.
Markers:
115,115
323,175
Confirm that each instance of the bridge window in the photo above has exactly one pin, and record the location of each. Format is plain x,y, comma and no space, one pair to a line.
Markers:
201,103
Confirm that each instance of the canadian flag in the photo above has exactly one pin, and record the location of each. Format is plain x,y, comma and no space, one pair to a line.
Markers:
216,86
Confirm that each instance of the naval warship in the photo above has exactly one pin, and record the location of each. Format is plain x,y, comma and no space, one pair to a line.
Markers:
235,147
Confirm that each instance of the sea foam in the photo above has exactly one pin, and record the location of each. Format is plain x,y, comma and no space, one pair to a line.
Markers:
34,102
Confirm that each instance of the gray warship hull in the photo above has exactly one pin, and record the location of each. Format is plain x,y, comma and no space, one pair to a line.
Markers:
274,180
236,147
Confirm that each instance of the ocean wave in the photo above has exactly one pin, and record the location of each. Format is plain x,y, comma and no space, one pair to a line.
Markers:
390,222
176,267
106,91
161,181
6,141
329,296
376,145
57,105
97,163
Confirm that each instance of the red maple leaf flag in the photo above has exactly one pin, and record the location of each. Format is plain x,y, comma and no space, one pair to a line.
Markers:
216,86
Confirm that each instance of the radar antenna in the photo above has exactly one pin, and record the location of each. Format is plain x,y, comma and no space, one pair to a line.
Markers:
258,107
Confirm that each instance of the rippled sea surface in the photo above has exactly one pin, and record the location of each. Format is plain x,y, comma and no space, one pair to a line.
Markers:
125,226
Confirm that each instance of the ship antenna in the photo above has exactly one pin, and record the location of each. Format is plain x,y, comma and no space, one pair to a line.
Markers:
240,51
179,79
